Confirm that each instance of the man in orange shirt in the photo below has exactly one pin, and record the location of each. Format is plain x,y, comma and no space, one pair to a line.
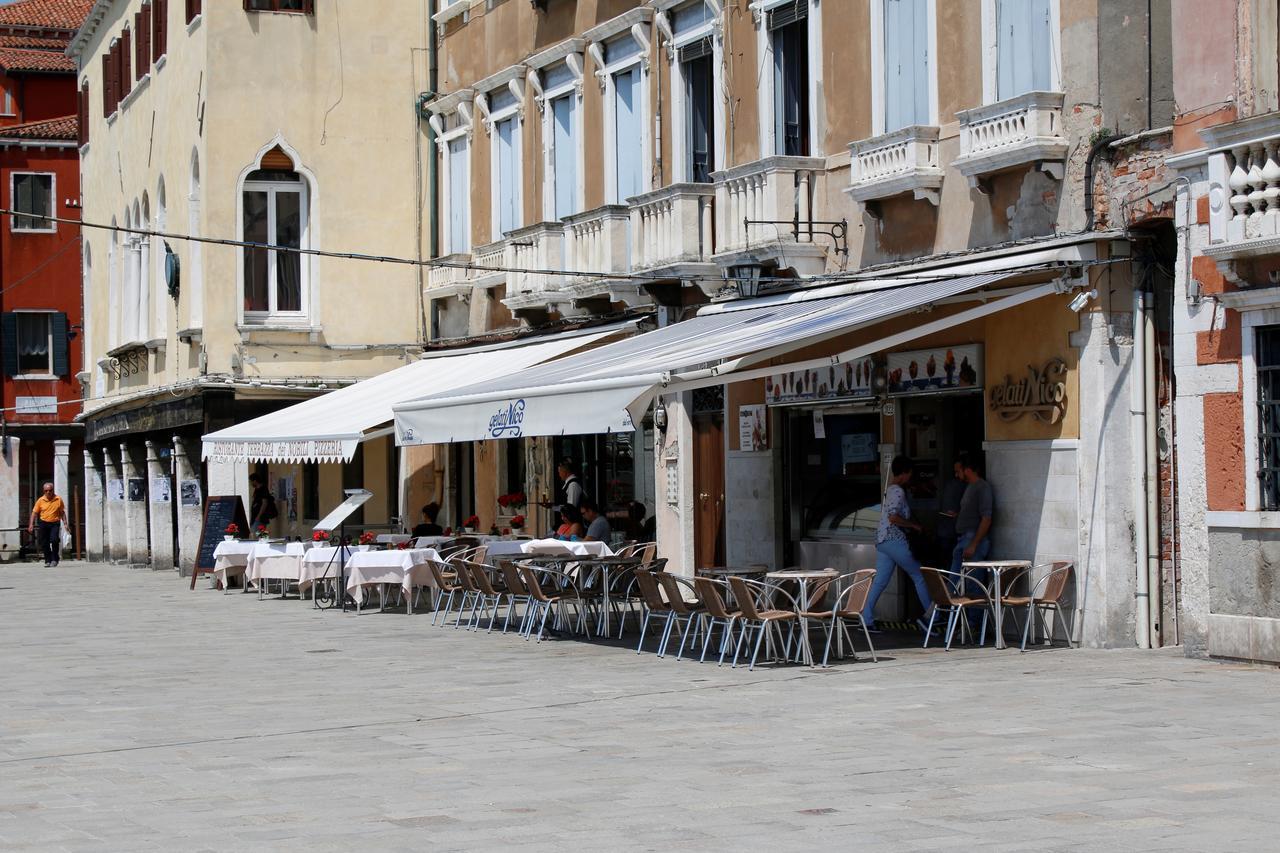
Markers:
48,512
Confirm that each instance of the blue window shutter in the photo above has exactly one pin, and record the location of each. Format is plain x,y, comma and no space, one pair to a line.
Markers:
459,196
61,355
564,157
1023,47
627,142
508,191
9,343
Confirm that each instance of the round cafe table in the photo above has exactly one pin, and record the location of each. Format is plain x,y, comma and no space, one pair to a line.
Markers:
802,577
997,568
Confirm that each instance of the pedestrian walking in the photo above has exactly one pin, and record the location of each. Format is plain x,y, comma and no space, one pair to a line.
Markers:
48,514
892,548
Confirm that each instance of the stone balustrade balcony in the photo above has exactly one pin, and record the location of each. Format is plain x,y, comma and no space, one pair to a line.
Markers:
539,251
1244,201
595,241
764,211
672,229
895,163
1015,132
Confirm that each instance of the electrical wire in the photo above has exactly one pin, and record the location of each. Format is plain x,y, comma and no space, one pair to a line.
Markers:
20,280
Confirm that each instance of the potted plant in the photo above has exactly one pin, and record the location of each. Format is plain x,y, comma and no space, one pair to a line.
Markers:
517,523
368,537
320,536
470,525
231,531
262,532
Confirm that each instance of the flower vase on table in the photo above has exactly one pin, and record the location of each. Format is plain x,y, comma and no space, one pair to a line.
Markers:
231,531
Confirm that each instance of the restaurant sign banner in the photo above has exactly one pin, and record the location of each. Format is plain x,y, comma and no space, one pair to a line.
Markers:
939,369
288,450
1041,393
837,382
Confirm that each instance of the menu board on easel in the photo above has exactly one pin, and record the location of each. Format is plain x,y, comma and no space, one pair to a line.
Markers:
219,511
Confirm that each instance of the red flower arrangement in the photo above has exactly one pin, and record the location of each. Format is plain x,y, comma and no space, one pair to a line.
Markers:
320,536
262,531
405,545
513,499
367,537
232,529
472,522
517,522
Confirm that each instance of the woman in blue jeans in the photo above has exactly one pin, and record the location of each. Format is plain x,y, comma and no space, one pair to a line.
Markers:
892,548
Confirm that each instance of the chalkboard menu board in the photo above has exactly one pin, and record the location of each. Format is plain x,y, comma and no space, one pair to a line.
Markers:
219,511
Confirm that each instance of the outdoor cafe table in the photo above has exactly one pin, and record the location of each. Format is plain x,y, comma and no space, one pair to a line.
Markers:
323,562
998,568
230,559
276,561
802,577
590,551
410,568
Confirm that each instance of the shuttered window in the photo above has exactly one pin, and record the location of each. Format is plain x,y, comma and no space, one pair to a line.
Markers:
82,114
507,175
699,118
906,64
159,28
32,194
142,55
305,7
459,197
564,155
628,144
1024,47
35,343
125,58
193,10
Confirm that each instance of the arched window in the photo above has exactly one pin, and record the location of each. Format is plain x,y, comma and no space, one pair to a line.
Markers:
159,300
142,221
128,306
274,213
194,274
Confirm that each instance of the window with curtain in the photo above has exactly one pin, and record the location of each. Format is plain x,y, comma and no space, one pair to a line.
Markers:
459,238
1267,364
628,144
32,195
695,61
34,348
274,215
304,6
1024,47
789,35
906,64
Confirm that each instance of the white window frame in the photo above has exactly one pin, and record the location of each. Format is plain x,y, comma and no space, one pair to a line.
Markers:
991,50
764,49
679,105
273,188
49,374
515,114
8,106
879,74
460,103
545,99
604,73
1250,321
53,202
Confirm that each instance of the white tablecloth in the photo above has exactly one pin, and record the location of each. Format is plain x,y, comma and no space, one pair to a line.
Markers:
277,560
409,569
557,547
321,562
231,558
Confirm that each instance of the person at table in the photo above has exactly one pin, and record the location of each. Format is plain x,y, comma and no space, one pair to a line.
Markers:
262,506
47,517
948,508
570,528
598,529
973,520
428,526
893,551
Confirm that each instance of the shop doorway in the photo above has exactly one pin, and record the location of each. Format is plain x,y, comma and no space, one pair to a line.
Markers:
708,490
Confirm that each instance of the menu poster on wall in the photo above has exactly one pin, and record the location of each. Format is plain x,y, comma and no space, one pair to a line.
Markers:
858,447
941,369
189,491
115,491
838,381
753,429
160,490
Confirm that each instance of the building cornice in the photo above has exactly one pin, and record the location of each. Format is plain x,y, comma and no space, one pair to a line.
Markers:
90,26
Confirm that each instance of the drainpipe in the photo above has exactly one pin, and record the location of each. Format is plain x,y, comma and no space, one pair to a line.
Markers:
433,176
1143,443
1094,150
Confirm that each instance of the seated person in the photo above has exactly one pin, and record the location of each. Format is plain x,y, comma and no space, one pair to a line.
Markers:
597,525
428,527
570,523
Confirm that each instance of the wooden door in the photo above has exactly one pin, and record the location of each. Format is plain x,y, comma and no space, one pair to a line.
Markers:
708,490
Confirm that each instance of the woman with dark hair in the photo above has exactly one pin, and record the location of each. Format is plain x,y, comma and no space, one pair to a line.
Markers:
892,548
570,523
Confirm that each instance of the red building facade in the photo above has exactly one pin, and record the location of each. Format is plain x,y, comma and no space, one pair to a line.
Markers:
40,264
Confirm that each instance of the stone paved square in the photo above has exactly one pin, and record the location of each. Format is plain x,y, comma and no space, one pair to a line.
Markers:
140,715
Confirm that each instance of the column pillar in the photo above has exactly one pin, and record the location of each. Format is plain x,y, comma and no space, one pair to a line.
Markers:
94,509
115,550
135,508
189,517
13,515
159,511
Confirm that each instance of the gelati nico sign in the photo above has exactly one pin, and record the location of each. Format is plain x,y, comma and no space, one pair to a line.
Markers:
1041,393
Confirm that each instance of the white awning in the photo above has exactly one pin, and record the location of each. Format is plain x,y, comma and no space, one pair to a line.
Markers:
328,428
605,389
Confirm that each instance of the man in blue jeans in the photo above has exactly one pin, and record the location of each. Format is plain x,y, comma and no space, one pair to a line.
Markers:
973,521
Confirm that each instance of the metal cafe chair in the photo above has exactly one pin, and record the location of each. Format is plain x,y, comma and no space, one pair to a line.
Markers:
759,616
954,604
543,603
447,588
517,593
651,597
682,615
714,613
1052,589
489,599
846,608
